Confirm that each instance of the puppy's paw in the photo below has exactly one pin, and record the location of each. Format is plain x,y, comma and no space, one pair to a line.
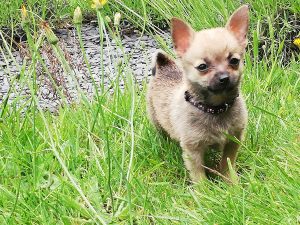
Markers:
197,178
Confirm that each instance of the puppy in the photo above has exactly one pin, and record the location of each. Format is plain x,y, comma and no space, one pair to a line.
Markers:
197,99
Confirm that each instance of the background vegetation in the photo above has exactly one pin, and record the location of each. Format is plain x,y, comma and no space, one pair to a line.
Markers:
101,161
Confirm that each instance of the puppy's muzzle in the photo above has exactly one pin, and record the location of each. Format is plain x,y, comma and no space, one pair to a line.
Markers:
220,82
224,79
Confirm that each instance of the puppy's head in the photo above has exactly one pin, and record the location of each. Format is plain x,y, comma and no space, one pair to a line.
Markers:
212,59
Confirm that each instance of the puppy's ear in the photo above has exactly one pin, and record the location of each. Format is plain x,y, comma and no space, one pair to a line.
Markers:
182,35
238,24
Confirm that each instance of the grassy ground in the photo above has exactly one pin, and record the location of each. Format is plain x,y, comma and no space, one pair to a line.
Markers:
103,162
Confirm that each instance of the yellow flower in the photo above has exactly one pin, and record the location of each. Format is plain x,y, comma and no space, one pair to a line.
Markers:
24,16
98,4
24,11
297,42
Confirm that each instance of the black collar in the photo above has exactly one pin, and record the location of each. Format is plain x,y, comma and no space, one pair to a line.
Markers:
208,108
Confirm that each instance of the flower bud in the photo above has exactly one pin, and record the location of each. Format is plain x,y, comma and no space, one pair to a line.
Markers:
24,16
52,38
107,18
117,19
77,18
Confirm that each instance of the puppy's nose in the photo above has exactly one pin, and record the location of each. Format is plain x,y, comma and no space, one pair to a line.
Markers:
224,78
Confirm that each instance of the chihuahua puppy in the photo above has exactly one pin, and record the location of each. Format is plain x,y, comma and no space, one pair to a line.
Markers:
197,99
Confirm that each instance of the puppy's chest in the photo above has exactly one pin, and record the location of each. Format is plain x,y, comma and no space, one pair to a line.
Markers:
212,129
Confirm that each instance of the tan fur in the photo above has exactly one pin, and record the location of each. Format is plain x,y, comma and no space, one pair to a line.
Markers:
196,130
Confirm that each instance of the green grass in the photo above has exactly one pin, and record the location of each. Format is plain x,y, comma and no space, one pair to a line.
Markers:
102,160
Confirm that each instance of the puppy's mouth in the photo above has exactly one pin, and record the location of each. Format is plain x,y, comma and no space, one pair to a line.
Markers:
218,89
214,95
217,96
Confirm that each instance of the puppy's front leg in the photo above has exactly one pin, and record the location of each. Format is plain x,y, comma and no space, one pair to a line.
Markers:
193,156
230,151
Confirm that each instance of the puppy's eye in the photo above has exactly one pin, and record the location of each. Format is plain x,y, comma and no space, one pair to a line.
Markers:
202,67
234,61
